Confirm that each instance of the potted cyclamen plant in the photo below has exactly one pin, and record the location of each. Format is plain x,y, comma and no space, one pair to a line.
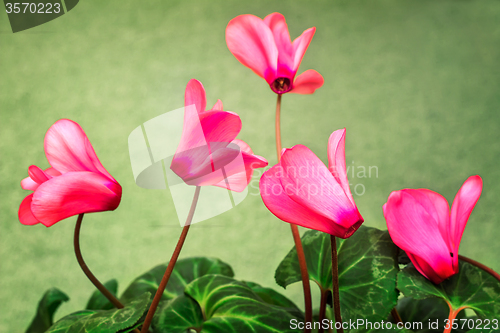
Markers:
408,278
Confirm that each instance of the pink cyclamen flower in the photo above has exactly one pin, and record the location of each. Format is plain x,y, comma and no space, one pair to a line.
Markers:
420,223
301,190
209,153
76,183
264,46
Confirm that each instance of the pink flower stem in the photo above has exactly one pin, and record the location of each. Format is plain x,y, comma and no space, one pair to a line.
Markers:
295,232
451,317
171,264
481,266
88,273
335,285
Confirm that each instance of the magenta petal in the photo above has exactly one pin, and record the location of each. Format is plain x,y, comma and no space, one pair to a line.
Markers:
25,215
462,207
280,204
417,231
307,82
195,95
218,105
336,161
251,41
220,126
37,174
68,149
426,270
279,28
74,193
238,180
29,184
300,45
309,182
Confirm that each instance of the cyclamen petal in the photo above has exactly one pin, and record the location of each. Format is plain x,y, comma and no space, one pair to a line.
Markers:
301,190
208,153
420,223
68,149
76,183
74,193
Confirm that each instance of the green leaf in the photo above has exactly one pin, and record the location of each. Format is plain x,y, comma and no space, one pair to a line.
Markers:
98,301
185,271
271,296
421,312
367,271
178,316
47,306
220,304
103,321
470,288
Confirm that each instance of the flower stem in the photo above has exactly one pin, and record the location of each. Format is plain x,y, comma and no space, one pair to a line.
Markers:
481,266
335,286
451,318
171,264
322,308
295,232
86,270
396,316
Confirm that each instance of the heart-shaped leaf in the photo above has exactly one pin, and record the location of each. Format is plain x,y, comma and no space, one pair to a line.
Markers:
103,321
98,301
220,304
178,315
185,271
426,315
273,297
47,306
367,271
471,288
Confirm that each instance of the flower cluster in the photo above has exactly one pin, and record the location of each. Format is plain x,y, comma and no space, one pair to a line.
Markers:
299,189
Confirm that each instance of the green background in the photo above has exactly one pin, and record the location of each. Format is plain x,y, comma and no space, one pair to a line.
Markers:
416,83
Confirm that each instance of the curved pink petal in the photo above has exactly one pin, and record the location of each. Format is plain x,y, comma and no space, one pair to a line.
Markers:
38,175
436,206
462,207
283,207
309,182
417,232
426,270
218,105
74,193
29,184
276,22
238,178
300,45
220,126
336,161
251,41
307,82
195,95
68,149
25,215
202,133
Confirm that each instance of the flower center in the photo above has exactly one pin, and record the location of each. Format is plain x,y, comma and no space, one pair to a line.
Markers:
281,85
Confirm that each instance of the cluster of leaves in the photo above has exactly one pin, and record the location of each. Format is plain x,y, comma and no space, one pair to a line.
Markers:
203,296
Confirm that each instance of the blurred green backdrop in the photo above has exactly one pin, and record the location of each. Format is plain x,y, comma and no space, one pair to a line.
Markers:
416,83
